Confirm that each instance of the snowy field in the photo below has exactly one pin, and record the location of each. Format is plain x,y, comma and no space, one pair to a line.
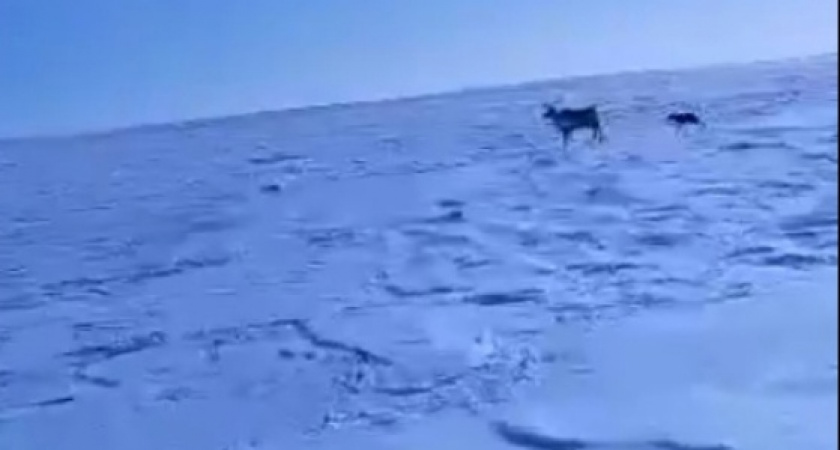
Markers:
434,273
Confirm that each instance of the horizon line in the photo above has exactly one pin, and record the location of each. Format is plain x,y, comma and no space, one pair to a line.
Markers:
210,119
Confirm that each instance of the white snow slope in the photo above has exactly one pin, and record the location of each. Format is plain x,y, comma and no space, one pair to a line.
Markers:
433,273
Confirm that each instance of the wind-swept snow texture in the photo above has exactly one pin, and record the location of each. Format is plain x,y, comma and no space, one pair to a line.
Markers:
434,273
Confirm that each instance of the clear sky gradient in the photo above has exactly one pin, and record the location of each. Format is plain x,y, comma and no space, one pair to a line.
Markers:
69,66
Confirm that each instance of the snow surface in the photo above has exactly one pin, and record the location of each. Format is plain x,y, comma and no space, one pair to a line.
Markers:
433,273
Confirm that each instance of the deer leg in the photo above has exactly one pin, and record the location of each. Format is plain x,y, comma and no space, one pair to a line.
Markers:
597,134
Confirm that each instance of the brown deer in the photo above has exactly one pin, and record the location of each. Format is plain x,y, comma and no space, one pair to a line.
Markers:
567,120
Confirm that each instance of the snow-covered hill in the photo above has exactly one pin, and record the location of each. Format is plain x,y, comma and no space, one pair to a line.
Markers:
433,273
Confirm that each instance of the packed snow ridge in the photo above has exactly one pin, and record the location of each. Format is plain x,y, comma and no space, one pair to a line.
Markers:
434,273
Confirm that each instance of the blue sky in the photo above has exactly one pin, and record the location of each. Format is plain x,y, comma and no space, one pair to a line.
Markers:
77,65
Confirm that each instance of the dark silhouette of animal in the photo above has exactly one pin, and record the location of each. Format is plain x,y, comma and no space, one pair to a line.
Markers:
567,120
681,119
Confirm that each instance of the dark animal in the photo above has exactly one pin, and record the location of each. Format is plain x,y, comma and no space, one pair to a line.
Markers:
681,119
567,120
